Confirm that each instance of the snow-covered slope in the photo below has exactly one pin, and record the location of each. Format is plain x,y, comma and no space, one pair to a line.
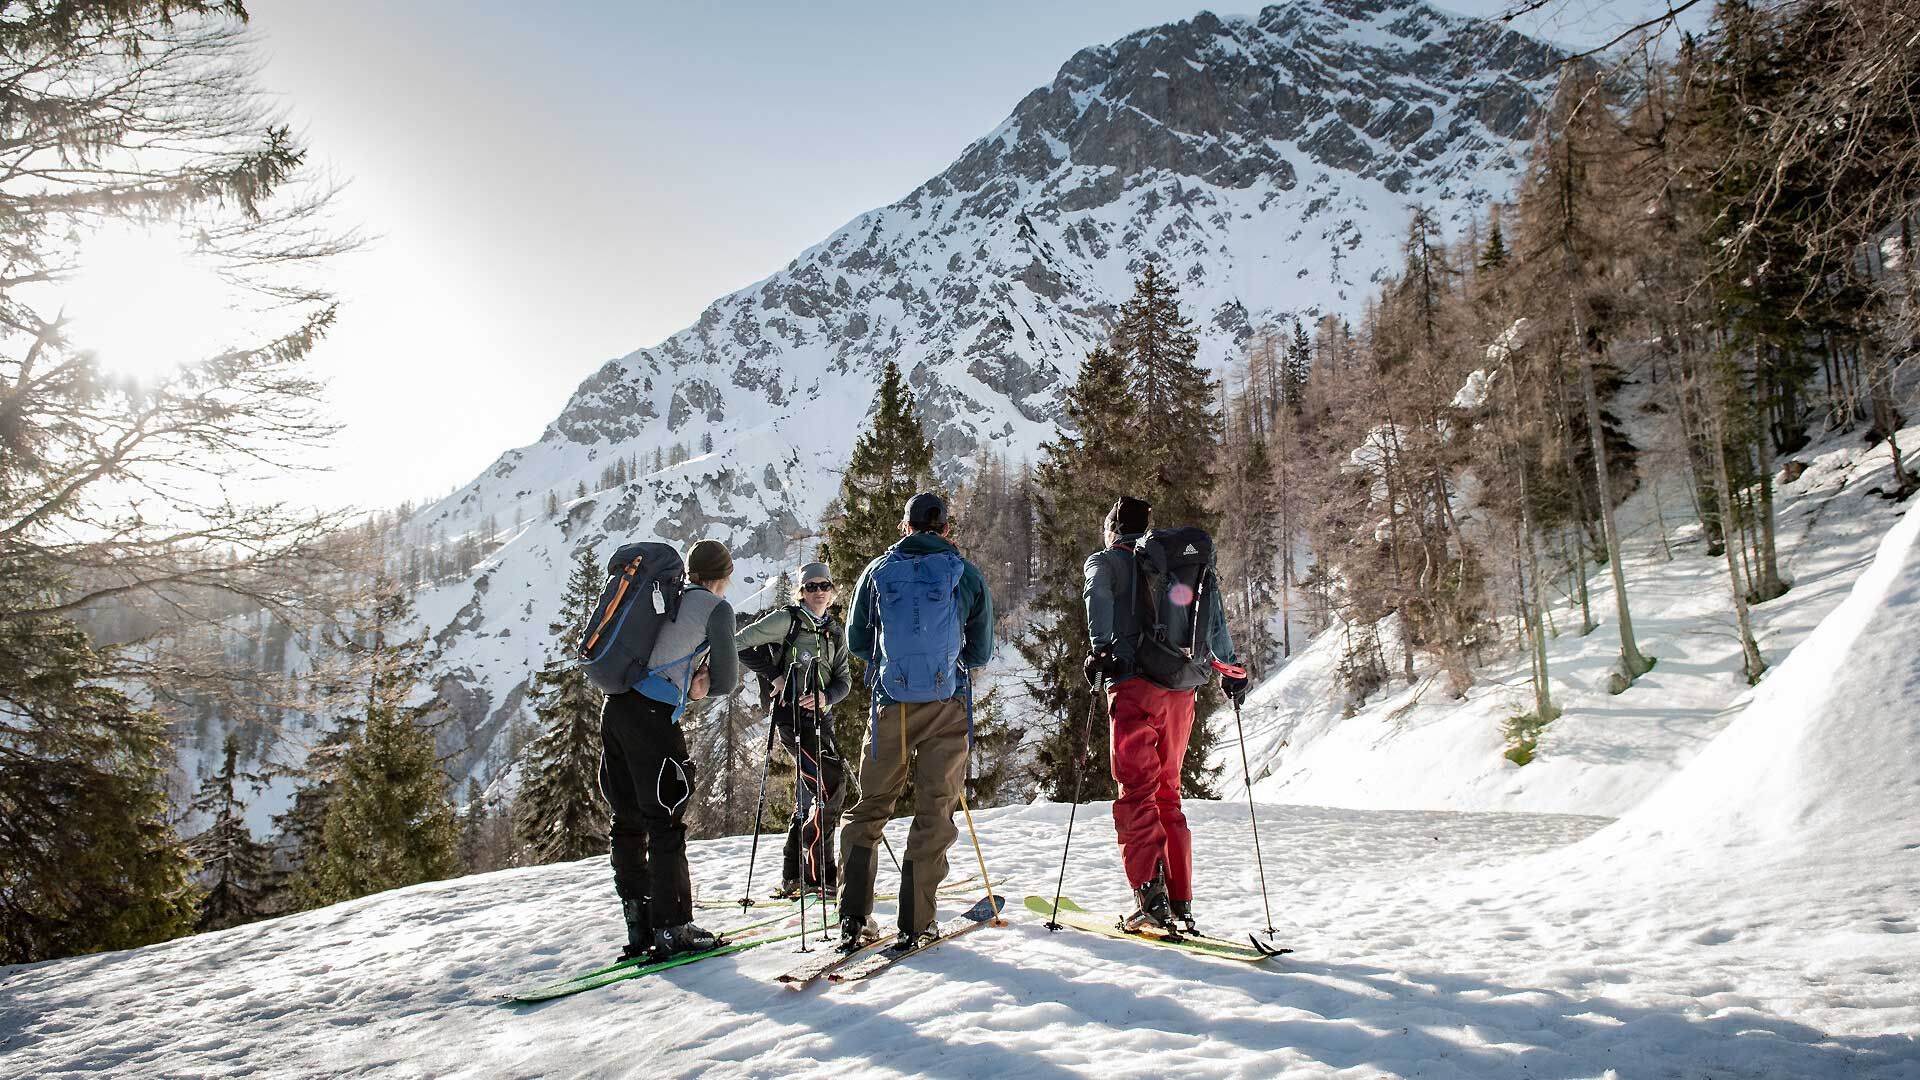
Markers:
1266,164
1414,747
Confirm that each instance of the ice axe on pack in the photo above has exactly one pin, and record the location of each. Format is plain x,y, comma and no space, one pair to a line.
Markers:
1234,671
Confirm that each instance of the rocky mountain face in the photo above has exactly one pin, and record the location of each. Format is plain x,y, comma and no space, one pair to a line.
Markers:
1266,164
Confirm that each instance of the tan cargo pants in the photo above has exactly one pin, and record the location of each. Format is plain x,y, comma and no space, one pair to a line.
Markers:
938,731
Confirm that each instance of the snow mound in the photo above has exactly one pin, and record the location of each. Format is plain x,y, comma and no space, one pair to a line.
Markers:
1827,752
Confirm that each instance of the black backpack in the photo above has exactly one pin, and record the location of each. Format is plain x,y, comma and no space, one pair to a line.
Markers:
642,594
1175,592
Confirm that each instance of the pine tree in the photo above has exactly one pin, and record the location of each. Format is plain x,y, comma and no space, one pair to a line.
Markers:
1298,368
235,868
388,822
88,861
892,461
1494,255
1095,458
391,824
1173,402
560,814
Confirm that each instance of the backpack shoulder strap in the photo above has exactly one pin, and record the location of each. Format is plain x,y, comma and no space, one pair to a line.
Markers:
1146,588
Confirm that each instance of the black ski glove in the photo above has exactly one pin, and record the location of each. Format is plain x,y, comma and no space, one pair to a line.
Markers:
1235,687
1094,669
1103,664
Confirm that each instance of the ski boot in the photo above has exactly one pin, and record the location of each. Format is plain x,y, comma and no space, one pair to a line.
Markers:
1183,918
639,929
680,940
789,889
857,934
906,943
1151,906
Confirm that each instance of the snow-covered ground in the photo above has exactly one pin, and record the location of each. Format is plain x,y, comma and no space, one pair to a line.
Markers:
1753,917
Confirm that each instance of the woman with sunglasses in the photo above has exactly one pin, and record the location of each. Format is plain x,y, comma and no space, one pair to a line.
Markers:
799,651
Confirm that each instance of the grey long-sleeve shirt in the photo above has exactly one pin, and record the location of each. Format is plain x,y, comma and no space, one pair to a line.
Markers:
703,621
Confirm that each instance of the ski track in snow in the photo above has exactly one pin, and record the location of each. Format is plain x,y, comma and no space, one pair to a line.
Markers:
1414,959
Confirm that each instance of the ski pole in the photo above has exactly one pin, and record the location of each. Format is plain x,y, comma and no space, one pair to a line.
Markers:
799,757
991,902
1079,778
759,808
1246,777
811,852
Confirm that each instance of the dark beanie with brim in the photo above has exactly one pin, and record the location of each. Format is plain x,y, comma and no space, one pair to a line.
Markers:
1129,516
709,560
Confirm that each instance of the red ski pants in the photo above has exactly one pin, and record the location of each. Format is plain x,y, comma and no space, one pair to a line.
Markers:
1149,739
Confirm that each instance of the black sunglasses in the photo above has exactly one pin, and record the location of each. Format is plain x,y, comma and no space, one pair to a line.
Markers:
817,586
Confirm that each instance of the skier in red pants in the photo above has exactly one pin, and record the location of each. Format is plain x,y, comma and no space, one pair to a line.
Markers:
1150,692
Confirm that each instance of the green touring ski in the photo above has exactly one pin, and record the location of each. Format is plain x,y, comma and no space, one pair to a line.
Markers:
736,939
1073,916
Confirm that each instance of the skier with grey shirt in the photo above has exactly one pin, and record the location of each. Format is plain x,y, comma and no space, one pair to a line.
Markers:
645,771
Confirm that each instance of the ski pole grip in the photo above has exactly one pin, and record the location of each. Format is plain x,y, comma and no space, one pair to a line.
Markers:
1231,671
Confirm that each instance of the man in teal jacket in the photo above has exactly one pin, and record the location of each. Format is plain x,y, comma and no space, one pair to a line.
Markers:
937,729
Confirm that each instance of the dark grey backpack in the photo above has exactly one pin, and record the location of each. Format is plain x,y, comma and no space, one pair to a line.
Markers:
1175,592
642,594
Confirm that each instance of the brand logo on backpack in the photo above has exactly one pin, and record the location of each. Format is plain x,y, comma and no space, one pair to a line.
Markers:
642,594
1175,591
917,611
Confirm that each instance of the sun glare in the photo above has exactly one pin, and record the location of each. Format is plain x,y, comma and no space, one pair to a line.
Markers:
144,304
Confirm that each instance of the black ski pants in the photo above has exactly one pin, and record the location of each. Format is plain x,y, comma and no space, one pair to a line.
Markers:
648,780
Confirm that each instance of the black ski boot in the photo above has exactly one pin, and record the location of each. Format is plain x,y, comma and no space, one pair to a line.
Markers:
857,934
639,928
906,943
680,940
1183,916
1151,906
789,889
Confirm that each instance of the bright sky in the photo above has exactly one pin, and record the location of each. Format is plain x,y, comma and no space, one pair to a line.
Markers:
552,185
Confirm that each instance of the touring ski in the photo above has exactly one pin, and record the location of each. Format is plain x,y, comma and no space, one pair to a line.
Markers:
982,912
825,962
1251,951
734,937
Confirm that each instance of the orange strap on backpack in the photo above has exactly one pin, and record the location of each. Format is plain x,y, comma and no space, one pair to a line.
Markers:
619,594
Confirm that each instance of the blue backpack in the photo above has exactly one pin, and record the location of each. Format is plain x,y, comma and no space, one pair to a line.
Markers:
921,628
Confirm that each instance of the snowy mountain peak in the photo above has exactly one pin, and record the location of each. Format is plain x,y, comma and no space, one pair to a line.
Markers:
1265,164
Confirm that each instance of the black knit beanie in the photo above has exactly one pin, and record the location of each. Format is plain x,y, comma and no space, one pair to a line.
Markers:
1128,516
